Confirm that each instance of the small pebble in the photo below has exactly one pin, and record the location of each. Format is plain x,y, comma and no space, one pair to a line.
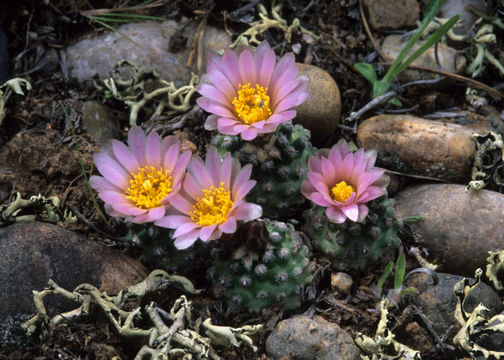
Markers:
341,282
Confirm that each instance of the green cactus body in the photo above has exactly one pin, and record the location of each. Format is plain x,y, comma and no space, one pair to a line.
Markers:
157,248
270,267
279,166
353,245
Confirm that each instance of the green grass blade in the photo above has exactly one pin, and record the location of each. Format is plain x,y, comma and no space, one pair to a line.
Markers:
399,272
113,16
105,25
81,162
367,71
432,10
383,278
430,42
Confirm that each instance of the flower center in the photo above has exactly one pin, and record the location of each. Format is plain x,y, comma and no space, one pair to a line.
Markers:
149,187
252,105
213,207
341,191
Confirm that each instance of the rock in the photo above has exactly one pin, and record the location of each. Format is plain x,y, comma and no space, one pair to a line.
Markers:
304,338
459,228
392,15
321,111
438,301
481,124
98,123
163,46
33,253
467,17
341,282
417,146
450,59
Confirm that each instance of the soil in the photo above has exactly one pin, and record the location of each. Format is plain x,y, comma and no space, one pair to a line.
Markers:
38,149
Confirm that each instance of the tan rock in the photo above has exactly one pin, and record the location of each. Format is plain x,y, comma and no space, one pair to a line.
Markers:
459,228
392,15
417,146
321,111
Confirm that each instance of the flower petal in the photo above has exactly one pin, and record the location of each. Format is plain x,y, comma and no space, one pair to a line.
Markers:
211,122
247,212
351,211
125,156
249,134
265,62
157,213
185,241
173,221
99,183
112,170
247,68
180,203
206,231
185,228
153,150
214,94
335,215
197,169
136,141
229,226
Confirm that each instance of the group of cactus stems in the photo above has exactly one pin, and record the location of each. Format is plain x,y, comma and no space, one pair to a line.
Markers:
270,261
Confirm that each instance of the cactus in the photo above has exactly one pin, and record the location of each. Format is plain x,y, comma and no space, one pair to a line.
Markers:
279,166
269,267
158,251
351,244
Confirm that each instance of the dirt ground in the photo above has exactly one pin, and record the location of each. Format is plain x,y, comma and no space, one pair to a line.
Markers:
38,154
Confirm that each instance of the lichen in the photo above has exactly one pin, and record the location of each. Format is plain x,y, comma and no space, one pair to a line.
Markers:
383,346
477,324
495,268
36,208
15,85
169,335
249,36
137,87
488,165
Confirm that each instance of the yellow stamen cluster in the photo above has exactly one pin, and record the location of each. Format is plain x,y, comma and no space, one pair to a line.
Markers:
149,187
213,207
342,191
252,104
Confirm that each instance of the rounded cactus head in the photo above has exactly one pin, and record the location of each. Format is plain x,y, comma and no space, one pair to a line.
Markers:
269,266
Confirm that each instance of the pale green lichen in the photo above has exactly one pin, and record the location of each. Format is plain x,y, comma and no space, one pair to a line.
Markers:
143,86
249,36
169,335
477,324
495,268
488,165
15,85
36,208
383,346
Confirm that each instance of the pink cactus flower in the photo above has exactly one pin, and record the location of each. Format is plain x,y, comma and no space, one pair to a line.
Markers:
212,200
248,94
140,179
343,182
